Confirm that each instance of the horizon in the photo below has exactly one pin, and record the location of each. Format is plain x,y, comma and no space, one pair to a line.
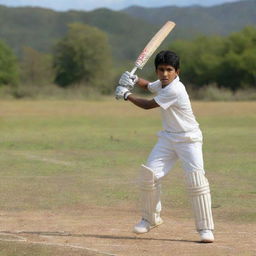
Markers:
115,5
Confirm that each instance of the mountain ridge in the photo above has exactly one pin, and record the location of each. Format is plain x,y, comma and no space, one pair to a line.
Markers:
128,30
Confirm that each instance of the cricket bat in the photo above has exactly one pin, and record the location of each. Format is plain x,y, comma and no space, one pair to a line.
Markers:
152,45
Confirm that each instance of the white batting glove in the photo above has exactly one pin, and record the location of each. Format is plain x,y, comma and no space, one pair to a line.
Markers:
128,80
122,92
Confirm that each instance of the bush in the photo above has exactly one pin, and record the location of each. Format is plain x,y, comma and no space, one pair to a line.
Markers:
213,93
50,91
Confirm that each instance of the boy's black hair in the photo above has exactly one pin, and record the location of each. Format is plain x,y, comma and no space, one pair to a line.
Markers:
167,58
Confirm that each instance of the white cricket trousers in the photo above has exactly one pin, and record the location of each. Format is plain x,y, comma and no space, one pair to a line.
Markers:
160,161
166,152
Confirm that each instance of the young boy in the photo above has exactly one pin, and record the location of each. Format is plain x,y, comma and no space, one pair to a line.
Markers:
180,138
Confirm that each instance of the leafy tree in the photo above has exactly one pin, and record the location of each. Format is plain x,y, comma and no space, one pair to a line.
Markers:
239,61
82,56
36,67
8,65
229,62
200,59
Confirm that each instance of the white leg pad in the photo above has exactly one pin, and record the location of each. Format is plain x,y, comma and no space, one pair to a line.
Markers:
199,191
150,196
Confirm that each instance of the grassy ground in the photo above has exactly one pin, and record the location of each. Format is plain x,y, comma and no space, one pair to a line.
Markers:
19,249
59,155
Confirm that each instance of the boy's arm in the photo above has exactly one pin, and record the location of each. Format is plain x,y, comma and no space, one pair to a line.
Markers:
142,103
142,83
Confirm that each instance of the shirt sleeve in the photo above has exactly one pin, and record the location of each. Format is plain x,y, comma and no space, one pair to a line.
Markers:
166,98
154,86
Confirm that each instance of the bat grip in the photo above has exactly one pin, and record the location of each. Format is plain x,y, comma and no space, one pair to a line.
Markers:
133,70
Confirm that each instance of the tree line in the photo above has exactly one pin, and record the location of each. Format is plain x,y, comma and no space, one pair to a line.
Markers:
83,57
228,62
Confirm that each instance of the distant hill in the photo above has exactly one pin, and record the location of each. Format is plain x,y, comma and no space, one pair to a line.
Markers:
41,28
220,19
128,30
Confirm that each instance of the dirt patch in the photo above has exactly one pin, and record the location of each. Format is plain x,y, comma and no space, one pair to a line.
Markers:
108,231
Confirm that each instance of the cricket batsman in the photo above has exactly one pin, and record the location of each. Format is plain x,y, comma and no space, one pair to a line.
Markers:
181,138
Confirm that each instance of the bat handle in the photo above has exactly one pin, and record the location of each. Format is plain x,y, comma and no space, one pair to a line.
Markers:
133,70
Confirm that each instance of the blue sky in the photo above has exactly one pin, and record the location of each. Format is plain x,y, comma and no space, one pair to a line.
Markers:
63,5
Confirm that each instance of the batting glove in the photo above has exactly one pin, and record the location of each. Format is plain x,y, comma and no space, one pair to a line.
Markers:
128,80
122,92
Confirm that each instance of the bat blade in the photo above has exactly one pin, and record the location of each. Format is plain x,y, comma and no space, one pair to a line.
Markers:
153,44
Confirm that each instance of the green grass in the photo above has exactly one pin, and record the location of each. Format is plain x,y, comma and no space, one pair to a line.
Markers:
61,154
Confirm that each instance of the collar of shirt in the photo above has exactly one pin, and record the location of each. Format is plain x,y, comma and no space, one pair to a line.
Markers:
177,79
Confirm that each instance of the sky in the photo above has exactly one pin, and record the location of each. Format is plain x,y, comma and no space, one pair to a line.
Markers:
88,5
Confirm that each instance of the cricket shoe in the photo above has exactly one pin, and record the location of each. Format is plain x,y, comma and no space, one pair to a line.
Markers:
144,226
206,236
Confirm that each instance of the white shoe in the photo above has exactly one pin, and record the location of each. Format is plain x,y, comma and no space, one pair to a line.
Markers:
144,226
206,236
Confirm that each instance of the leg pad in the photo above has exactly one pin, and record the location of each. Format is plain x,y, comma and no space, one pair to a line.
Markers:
150,196
199,190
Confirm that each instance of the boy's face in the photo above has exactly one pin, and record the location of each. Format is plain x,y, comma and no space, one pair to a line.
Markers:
166,74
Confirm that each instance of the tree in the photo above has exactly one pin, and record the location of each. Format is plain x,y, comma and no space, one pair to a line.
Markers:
239,61
200,59
227,61
36,67
82,56
8,66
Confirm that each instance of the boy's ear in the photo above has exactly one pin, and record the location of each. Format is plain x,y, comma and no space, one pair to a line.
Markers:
178,71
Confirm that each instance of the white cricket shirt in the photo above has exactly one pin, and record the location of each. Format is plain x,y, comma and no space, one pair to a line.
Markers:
177,115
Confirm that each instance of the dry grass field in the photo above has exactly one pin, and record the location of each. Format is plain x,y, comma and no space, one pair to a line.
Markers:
69,170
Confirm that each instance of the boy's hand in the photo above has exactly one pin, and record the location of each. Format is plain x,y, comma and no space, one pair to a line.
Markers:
128,80
122,92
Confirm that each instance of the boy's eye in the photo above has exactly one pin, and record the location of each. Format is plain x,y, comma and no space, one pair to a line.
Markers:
167,69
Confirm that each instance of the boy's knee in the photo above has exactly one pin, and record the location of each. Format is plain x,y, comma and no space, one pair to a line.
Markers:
156,172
